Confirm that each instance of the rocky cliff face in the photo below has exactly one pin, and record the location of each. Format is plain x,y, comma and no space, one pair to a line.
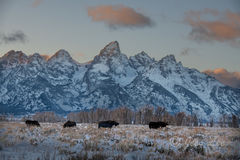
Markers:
32,83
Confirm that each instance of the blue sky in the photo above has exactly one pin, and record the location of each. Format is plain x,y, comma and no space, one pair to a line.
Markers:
51,25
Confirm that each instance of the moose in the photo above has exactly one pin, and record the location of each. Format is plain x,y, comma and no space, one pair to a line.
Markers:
69,124
107,124
32,123
156,125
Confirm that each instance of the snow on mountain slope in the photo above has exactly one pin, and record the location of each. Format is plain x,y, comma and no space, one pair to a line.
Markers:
114,64
32,83
185,84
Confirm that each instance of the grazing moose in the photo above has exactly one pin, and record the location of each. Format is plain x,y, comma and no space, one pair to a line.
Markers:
156,125
69,124
107,124
32,123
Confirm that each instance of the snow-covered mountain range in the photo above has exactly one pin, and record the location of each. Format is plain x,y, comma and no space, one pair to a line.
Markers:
33,83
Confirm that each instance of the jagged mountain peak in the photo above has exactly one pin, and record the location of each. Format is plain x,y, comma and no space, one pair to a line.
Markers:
110,52
141,60
14,58
61,54
62,57
15,54
143,55
36,57
61,65
111,49
169,58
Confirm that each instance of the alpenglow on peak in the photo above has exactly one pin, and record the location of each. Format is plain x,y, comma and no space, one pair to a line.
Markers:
111,49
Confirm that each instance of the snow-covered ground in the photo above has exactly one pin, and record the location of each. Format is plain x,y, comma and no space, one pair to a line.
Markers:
86,141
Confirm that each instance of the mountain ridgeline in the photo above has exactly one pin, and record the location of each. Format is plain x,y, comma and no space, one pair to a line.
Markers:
33,83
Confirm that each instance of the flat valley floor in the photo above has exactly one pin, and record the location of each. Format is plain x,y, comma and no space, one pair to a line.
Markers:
130,142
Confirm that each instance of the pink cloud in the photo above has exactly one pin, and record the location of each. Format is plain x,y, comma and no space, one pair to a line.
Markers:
36,3
119,16
223,26
228,78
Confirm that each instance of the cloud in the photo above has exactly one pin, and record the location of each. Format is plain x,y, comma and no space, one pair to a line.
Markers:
36,3
17,36
119,16
228,78
211,25
187,51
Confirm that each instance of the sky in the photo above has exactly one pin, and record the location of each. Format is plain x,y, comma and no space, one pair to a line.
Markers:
201,34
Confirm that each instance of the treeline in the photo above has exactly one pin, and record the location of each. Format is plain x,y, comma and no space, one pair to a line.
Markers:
124,115
229,121
47,117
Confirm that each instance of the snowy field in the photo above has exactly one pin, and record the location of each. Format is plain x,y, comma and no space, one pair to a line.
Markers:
131,142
